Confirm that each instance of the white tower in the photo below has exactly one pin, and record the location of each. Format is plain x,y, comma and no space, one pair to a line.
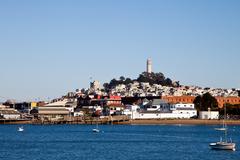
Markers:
149,65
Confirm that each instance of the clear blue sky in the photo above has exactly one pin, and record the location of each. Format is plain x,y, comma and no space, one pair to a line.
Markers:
50,47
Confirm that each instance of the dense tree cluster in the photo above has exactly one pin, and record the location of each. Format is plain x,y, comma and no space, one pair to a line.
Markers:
155,78
202,103
232,109
151,78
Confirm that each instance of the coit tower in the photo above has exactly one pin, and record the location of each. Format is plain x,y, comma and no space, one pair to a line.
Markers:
149,65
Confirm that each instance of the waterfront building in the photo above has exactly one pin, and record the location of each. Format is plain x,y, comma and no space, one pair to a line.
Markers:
208,115
132,111
160,109
23,107
99,100
138,100
78,113
157,105
179,99
69,104
230,100
108,104
53,113
182,106
189,99
183,110
57,110
9,113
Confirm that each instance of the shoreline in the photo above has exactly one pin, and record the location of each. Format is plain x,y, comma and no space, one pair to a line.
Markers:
140,122
180,122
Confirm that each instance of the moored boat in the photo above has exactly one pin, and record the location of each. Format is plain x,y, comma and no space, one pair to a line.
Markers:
96,130
20,129
223,145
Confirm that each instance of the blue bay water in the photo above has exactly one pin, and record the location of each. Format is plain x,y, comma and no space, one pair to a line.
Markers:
115,142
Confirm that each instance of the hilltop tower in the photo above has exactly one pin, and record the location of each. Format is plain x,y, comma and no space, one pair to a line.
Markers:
149,65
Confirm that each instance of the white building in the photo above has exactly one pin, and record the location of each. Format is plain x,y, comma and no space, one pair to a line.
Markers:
183,110
78,114
176,114
158,109
9,113
182,106
132,111
158,105
69,105
208,114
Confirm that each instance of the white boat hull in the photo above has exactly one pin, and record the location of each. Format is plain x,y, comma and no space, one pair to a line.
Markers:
220,129
20,129
223,146
96,130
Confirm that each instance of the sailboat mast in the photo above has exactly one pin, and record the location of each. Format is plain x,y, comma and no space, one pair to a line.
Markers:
225,125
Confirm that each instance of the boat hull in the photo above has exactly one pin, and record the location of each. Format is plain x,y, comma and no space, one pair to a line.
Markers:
96,130
223,146
20,129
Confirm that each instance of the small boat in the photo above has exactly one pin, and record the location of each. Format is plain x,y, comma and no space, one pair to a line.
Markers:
96,130
223,128
220,129
223,145
20,129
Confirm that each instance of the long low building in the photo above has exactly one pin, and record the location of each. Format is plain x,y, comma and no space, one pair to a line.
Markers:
189,99
9,113
161,111
173,115
51,113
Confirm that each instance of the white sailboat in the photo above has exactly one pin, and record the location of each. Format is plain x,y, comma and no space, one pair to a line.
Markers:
223,144
96,130
223,128
220,129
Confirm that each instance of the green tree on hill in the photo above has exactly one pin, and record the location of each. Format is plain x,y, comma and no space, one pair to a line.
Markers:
155,78
151,78
122,78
